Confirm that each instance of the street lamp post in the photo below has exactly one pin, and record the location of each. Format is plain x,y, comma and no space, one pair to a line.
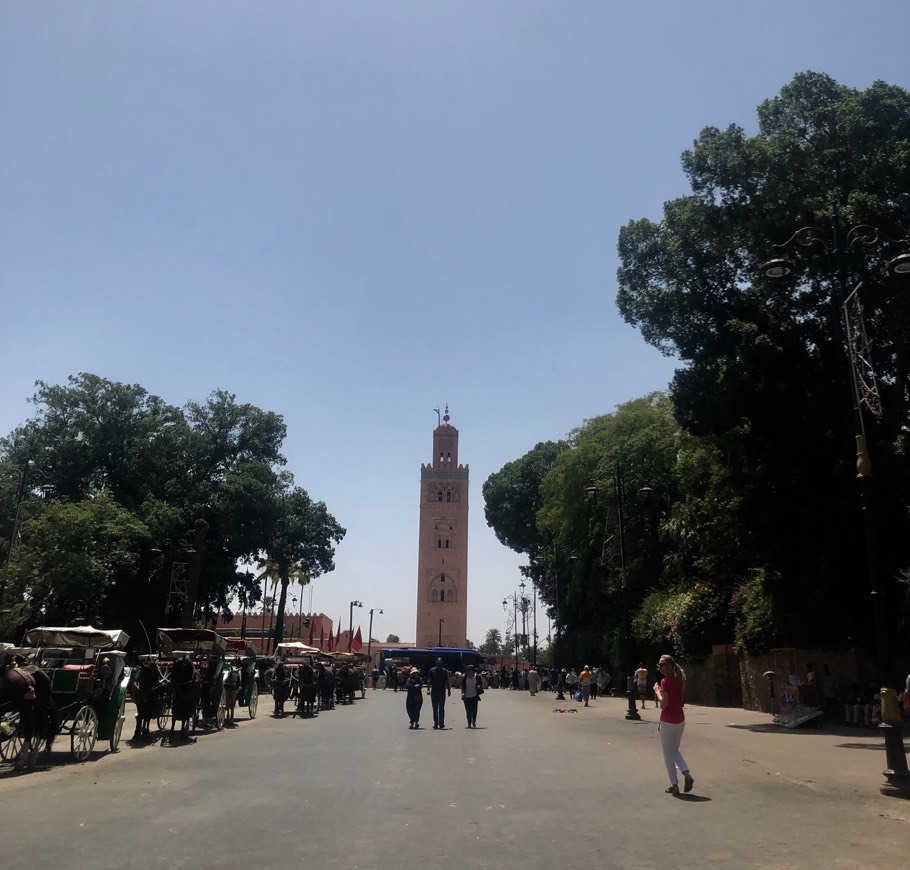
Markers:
592,490
441,621
864,390
370,635
351,622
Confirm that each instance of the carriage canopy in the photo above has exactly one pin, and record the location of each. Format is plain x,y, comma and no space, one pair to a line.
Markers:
296,648
201,640
241,647
77,636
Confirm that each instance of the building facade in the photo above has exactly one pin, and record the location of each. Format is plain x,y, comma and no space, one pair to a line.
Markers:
442,562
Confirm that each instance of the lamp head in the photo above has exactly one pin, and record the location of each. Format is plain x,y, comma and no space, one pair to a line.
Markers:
900,265
779,267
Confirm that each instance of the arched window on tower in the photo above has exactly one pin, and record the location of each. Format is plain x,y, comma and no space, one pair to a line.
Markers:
448,457
439,495
448,495
436,595
450,595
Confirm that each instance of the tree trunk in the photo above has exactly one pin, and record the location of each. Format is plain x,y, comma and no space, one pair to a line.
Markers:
284,574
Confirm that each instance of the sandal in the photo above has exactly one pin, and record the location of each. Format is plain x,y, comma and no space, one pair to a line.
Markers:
673,789
689,782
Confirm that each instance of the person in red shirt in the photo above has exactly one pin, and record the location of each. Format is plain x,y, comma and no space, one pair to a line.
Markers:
669,694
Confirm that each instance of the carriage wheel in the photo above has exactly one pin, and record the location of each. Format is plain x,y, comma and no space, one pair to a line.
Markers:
164,714
11,742
84,733
221,712
118,726
254,702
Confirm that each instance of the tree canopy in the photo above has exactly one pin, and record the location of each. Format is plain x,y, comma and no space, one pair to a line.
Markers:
765,374
107,487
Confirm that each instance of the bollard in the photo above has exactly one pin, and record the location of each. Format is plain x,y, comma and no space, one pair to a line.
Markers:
897,776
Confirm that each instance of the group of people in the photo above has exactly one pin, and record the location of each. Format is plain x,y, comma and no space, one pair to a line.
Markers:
438,685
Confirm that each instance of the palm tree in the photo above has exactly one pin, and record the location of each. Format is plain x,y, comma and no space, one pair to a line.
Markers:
492,642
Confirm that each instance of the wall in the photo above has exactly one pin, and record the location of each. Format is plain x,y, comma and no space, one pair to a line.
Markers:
725,679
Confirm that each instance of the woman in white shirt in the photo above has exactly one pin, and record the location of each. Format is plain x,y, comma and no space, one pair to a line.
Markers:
471,690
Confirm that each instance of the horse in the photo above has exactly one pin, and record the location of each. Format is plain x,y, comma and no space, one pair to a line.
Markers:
145,690
281,688
187,690
26,689
326,682
306,680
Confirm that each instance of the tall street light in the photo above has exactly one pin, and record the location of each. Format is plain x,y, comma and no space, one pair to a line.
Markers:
505,606
839,246
370,635
592,491
441,621
351,622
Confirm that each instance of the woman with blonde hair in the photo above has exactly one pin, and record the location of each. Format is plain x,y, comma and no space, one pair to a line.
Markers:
669,694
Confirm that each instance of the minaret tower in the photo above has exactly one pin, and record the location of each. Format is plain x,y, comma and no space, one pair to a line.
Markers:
442,561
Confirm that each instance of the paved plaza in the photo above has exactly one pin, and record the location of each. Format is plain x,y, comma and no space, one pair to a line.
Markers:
530,788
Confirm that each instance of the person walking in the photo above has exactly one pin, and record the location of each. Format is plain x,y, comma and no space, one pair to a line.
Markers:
413,697
231,687
533,680
641,683
439,689
669,695
471,690
584,679
572,682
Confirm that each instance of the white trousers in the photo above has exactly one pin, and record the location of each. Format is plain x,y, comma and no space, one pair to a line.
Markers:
670,738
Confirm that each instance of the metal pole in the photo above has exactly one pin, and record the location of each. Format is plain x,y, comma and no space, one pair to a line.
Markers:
370,639
441,621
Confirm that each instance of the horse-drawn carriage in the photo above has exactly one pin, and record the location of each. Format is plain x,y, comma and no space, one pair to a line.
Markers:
192,669
87,678
241,655
298,661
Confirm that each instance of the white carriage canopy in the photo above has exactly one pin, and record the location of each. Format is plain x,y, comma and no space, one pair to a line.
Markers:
296,648
83,636
202,640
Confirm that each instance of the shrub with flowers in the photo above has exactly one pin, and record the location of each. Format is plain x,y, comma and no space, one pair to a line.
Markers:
689,620
757,625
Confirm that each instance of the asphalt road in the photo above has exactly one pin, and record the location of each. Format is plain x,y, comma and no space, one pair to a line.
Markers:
529,788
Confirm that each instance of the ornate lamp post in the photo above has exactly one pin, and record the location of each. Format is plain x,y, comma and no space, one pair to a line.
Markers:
592,491
839,246
370,634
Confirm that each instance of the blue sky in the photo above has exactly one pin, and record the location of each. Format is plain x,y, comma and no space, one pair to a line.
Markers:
352,213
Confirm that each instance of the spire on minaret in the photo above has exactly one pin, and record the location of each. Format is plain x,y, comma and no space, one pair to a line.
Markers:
445,416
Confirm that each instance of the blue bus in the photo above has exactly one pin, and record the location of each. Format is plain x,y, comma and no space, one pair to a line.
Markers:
425,658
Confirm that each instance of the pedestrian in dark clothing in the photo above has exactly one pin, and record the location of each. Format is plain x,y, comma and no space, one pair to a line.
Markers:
413,689
439,689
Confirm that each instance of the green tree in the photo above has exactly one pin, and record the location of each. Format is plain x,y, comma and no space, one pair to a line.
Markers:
302,542
512,501
640,440
763,376
70,557
393,638
492,644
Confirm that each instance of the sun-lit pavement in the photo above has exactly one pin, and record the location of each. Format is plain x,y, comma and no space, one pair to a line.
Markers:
530,788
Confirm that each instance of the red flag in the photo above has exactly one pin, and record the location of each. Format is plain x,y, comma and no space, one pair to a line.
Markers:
338,634
331,641
357,643
321,637
312,630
